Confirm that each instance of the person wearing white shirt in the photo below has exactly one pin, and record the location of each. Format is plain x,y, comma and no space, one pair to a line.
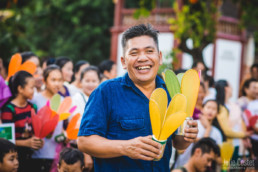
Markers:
75,86
90,79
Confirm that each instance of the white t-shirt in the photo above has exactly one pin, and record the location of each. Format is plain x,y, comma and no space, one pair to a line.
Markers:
49,149
73,89
215,134
79,100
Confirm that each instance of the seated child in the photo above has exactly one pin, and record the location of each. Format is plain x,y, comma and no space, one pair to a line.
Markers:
8,156
71,160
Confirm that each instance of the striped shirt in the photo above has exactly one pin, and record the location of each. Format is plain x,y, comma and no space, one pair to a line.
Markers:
21,117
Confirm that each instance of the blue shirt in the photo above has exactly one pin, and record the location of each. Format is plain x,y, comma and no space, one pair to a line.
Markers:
118,110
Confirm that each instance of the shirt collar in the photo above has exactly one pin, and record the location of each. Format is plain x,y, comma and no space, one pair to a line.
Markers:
128,82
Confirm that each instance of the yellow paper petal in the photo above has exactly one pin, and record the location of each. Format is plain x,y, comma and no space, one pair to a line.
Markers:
64,116
159,95
14,65
178,103
155,118
227,149
190,88
171,124
65,105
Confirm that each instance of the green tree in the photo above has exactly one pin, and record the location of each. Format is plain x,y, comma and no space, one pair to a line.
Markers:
76,29
249,20
196,21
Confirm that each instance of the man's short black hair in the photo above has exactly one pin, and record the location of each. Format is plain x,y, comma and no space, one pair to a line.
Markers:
106,65
71,156
206,145
6,147
140,30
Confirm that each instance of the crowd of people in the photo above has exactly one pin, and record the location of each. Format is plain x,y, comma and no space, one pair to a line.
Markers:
54,76
224,120
219,119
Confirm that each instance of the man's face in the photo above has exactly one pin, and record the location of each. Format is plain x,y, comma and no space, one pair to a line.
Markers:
203,161
141,59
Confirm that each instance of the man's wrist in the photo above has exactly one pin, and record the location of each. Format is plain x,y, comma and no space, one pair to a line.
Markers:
121,148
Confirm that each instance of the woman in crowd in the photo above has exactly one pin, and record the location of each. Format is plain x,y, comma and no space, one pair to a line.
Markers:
75,87
108,70
66,66
248,93
90,79
43,158
29,56
18,111
230,118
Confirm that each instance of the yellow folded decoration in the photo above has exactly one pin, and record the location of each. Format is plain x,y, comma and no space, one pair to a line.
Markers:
227,150
190,87
171,124
165,121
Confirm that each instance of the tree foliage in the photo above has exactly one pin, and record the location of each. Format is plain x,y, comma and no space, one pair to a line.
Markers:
249,19
77,29
197,21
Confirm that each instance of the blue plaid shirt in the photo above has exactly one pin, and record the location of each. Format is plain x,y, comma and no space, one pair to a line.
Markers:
118,110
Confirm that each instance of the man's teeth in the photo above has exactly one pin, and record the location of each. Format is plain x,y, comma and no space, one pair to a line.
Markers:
143,67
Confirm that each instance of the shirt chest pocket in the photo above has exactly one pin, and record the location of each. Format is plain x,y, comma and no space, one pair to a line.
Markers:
131,128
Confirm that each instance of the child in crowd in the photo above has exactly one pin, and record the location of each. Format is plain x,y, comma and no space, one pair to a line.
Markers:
206,125
8,156
43,158
206,129
75,87
108,70
66,66
18,111
90,79
29,56
71,160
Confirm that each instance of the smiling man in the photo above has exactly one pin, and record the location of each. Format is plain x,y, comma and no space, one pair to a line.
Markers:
116,127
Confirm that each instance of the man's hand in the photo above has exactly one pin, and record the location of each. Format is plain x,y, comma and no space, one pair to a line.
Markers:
191,132
143,148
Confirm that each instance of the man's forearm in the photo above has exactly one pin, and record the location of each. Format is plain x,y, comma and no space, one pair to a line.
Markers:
143,148
100,147
180,143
